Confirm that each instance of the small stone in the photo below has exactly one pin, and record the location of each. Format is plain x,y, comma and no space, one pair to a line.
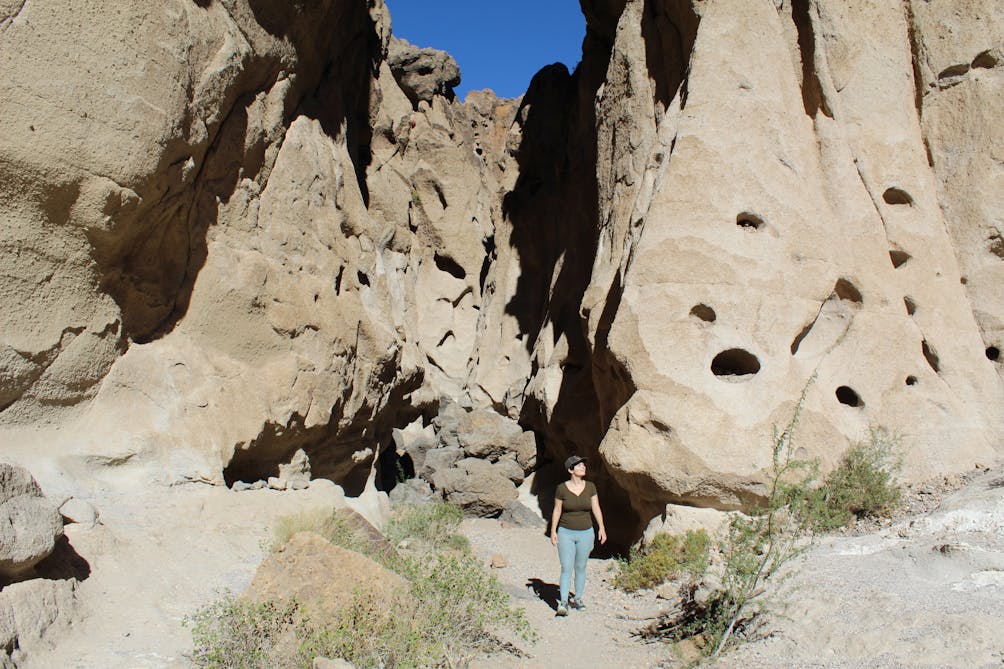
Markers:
498,561
78,511
276,483
240,486
257,485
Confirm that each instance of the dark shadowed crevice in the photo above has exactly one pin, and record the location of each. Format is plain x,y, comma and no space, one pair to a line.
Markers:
813,100
931,356
447,264
669,30
915,56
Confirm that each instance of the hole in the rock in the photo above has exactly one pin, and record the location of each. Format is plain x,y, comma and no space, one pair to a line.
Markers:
898,257
847,395
911,306
363,279
995,245
963,280
393,469
931,356
986,60
896,196
735,362
911,380
846,290
704,313
450,266
749,221
993,353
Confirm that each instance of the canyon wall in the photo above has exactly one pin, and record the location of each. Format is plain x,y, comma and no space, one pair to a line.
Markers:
237,228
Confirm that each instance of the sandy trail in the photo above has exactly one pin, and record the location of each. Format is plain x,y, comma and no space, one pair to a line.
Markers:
927,591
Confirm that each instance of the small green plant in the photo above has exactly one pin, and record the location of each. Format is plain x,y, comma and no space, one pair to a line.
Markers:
665,558
862,485
434,523
416,197
234,633
320,521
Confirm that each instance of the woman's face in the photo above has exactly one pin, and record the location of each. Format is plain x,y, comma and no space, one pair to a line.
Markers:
579,469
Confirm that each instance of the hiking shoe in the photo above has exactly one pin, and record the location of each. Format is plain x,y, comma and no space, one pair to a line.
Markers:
562,609
577,604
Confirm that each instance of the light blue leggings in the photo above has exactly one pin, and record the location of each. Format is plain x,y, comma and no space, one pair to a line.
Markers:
574,547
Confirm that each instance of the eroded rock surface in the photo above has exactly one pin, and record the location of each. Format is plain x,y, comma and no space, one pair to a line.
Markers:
255,228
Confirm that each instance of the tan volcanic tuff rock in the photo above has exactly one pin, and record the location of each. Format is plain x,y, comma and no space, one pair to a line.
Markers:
959,70
768,216
422,73
30,523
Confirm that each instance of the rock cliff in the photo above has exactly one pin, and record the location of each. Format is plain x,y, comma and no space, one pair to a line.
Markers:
234,229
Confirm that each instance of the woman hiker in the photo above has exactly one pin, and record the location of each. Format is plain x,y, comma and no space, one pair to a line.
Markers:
572,530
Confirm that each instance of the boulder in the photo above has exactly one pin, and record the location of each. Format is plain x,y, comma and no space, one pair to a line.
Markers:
439,459
477,486
414,440
296,473
325,578
31,609
483,433
422,73
30,524
337,663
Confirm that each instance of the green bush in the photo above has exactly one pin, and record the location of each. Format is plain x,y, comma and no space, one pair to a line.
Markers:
320,521
234,633
665,558
862,485
434,523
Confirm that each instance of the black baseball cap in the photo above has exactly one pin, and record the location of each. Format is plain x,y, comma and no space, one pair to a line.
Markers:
572,461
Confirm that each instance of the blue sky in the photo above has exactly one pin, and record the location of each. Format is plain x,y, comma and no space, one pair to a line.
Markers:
499,44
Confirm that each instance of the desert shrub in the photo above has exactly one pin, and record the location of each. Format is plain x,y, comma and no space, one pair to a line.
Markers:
862,485
434,523
234,633
665,558
320,521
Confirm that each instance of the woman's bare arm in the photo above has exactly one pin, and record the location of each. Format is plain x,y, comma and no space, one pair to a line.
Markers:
555,517
598,514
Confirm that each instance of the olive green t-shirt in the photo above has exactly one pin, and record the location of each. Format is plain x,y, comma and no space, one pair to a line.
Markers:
575,509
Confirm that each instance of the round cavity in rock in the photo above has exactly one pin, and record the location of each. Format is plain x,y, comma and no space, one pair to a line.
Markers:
993,353
911,380
963,280
898,257
735,362
846,395
749,221
896,196
704,313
